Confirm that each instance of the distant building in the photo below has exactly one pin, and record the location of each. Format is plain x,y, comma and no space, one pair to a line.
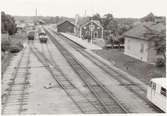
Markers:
40,21
20,26
66,27
140,46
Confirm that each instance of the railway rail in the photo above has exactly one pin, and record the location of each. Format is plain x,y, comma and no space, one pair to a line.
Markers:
14,100
109,101
93,99
84,105
134,87
100,99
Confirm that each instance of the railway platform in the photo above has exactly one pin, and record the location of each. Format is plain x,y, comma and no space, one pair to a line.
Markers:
81,42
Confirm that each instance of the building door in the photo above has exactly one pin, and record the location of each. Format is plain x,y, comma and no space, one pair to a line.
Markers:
95,34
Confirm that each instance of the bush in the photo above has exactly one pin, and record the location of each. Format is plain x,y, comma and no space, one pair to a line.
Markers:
160,62
16,47
5,46
2,55
20,45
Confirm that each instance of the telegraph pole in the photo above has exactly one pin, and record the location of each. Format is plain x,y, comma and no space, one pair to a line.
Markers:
35,16
91,30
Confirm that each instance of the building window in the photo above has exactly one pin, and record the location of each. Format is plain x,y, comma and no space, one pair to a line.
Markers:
142,48
163,91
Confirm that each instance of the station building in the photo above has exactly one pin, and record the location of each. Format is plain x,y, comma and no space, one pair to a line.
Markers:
92,28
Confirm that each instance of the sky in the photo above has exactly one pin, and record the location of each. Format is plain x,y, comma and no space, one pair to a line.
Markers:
69,8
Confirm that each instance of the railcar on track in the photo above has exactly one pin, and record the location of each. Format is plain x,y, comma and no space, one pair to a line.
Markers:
31,35
156,93
43,37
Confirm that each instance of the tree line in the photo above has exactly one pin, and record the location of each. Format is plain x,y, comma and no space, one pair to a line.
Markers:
8,24
114,25
114,28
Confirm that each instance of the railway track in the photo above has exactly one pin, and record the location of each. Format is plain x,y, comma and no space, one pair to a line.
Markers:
15,98
134,87
84,105
108,101
93,99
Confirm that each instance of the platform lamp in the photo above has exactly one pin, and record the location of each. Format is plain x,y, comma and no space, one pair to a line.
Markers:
91,31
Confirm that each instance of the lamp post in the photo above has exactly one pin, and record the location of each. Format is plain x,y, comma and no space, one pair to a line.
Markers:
91,36
91,31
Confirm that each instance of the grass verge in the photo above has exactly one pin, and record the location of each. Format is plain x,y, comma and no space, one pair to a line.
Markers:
141,70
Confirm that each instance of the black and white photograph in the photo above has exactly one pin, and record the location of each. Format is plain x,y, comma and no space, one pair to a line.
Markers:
83,57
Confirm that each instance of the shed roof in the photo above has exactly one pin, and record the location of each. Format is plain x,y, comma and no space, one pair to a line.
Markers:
61,22
139,31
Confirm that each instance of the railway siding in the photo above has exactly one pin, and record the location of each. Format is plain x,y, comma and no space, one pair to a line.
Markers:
72,92
47,96
10,72
16,94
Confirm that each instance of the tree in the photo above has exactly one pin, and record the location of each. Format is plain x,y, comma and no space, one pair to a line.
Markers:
106,20
97,17
149,17
159,39
8,24
3,18
160,43
110,24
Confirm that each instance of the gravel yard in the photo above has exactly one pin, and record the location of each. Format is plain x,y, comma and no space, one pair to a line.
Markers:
141,70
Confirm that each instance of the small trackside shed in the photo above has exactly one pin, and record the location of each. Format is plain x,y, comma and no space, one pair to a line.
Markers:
66,27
